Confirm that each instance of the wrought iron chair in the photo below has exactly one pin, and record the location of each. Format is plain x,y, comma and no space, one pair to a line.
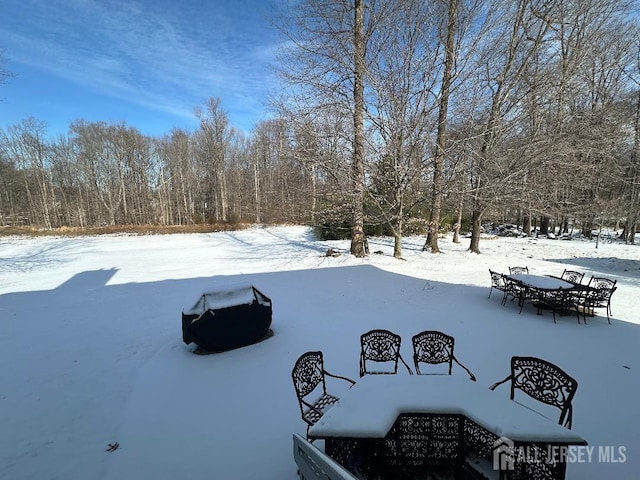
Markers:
562,301
544,382
572,276
598,295
380,346
515,289
497,282
518,270
433,347
602,282
309,382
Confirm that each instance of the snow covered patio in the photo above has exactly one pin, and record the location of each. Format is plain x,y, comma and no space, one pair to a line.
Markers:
92,351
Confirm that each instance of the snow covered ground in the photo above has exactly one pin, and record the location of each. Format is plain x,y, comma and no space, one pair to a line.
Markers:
92,353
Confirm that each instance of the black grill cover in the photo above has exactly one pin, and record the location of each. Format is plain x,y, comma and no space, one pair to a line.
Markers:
228,318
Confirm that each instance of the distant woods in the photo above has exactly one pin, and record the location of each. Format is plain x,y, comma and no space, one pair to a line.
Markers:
111,174
396,118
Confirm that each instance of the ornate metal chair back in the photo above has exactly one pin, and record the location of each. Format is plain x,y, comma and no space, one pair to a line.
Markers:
497,281
546,383
572,276
602,283
432,347
308,373
512,287
379,346
518,270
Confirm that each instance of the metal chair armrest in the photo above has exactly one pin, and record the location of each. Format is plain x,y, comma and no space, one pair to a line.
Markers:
493,387
405,364
472,377
341,378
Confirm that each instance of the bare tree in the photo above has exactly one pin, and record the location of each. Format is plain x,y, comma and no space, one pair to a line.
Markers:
441,138
358,247
324,68
632,172
25,145
211,142
402,77
12,204
522,25
102,169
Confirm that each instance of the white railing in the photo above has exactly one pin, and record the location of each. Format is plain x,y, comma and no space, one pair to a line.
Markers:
314,464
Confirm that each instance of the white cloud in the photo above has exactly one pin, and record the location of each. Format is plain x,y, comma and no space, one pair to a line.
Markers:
167,58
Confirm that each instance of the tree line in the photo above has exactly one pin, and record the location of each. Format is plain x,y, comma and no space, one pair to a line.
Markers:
110,174
395,117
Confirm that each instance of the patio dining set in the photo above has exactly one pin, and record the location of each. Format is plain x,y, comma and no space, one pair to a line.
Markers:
563,295
399,422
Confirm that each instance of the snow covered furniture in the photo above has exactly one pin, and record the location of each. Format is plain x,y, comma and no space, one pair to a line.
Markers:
412,426
572,276
383,348
602,282
314,464
545,382
597,298
597,294
518,270
227,318
533,288
433,347
497,282
308,377
560,300
512,288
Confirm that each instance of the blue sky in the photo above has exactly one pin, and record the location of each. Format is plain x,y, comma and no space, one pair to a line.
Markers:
145,62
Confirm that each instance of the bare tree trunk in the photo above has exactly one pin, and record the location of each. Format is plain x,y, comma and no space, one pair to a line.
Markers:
476,219
397,230
544,225
256,186
314,193
458,224
358,240
441,140
634,200
222,192
397,242
527,224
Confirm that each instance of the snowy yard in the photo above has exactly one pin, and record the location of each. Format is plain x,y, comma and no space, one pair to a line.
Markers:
92,349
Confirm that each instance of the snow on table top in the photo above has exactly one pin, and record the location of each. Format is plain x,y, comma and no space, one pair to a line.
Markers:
229,296
370,408
540,281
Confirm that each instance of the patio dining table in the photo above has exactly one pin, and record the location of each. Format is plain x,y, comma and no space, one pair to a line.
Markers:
541,282
393,426
543,291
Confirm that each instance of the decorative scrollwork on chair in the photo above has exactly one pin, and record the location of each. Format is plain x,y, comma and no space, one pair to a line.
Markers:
308,374
435,347
544,382
380,346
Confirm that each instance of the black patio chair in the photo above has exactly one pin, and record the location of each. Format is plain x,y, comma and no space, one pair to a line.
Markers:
309,382
597,295
515,289
497,281
572,276
381,347
561,301
544,382
433,347
518,270
602,282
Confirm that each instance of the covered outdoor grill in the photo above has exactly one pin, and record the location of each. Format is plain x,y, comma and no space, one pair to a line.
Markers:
231,317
